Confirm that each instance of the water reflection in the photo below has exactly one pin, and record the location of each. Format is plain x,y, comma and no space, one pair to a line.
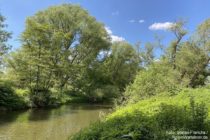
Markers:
6,117
44,124
43,114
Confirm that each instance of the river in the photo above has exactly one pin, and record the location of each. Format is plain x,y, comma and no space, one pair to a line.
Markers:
49,124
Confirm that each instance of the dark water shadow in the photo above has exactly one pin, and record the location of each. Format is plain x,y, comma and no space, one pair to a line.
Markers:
42,114
39,114
9,116
89,106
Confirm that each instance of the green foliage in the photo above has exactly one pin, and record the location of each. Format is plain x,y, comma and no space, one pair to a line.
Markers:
202,37
40,98
122,64
4,36
58,46
199,113
108,75
9,99
22,92
147,55
191,62
159,77
150,119
192,117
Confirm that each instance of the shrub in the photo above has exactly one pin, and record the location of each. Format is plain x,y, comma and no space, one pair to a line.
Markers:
9,99
193,117
40,97
22,92
152,81
198,113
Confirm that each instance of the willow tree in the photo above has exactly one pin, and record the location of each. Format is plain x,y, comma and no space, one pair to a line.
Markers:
108,75
57,44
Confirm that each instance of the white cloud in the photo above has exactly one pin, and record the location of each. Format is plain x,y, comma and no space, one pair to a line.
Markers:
117,38
108,30
161,26
115,13
141,21
114,38
132,21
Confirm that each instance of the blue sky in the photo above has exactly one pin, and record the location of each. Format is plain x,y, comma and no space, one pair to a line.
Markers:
126,19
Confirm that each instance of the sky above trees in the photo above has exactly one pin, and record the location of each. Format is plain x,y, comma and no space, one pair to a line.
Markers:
131,20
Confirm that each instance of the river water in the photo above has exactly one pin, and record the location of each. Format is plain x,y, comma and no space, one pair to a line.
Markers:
49,124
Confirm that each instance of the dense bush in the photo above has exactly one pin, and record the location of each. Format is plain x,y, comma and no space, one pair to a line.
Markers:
193,117
158,78
9,99
40,97
152,119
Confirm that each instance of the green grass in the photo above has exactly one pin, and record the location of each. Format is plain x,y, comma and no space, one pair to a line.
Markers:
150,118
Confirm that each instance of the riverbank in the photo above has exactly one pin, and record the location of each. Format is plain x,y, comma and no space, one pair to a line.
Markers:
13,98
152,118
19,99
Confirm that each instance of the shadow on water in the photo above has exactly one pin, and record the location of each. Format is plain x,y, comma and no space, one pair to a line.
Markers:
42,114
9,116
89,106
39,114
